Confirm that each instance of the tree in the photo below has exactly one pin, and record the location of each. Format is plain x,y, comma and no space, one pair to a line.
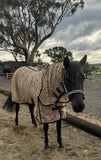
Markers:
26,24
93,68
57,54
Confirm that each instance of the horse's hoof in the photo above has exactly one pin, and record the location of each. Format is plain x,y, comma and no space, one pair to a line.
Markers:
16,126
46,147
61,146
35,125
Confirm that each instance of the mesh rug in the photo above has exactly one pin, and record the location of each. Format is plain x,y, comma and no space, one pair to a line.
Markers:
44,88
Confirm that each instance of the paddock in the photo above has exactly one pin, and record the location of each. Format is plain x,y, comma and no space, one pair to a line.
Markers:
26,142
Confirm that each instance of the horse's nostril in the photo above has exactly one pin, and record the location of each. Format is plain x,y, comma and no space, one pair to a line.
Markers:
78,108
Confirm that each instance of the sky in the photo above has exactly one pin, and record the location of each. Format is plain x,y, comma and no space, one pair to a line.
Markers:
80,34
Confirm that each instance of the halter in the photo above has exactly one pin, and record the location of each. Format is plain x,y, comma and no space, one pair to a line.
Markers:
74,91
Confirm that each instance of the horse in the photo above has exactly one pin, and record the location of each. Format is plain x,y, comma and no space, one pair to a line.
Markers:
44,90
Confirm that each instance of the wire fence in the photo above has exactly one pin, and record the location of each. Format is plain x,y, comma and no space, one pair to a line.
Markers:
94,76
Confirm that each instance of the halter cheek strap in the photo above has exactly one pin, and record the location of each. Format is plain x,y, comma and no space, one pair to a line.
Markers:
73,92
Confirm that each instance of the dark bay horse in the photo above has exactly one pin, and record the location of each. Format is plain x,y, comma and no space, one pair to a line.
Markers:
72,83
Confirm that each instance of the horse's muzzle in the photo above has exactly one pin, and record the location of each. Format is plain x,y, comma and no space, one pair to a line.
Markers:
79,107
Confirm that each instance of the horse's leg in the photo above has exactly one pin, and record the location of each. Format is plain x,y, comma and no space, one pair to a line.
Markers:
46,127
17,111
31,107
59,134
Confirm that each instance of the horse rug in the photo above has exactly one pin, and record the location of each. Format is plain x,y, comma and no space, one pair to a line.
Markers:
44,88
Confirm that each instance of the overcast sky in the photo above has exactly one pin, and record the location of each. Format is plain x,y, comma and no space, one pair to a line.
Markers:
80,34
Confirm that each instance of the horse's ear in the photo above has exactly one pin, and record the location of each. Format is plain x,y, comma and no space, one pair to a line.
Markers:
83,61
66,62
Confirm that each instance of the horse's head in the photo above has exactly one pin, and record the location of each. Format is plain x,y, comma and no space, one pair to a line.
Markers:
73,82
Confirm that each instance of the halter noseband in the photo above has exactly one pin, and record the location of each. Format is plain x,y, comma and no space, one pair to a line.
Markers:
74,91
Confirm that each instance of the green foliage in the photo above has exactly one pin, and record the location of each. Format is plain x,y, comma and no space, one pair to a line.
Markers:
57,54
89,68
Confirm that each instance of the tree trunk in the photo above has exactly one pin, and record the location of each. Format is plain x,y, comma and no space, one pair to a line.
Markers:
31,60
86,74
27,60
84,125
31,57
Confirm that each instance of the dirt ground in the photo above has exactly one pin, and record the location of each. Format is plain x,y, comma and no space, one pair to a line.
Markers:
26,142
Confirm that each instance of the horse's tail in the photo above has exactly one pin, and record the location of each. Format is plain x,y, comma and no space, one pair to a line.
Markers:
9,105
